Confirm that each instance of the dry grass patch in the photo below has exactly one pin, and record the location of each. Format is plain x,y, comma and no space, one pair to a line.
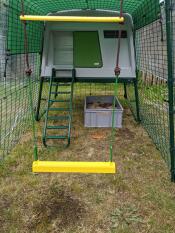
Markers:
139,198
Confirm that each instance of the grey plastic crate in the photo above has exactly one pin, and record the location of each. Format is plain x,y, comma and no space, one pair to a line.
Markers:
102,117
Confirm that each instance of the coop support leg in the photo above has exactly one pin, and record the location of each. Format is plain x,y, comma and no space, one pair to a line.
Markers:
39,99
137,98
169,36
56,90
125,91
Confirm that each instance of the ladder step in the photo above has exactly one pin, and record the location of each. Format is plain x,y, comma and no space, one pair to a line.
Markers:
63,120
74,167
59,109
61,92
58,127
59,101
61,84
58,118
64,84
56,137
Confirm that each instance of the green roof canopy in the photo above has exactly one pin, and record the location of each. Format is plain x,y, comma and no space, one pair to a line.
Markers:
144,8
142,11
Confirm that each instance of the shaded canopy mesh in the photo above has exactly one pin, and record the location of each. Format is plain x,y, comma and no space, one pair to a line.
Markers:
143,13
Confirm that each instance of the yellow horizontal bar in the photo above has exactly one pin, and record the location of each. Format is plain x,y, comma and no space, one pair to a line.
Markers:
73,19
73,167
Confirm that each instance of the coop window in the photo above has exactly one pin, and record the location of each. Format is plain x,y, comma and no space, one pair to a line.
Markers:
114,34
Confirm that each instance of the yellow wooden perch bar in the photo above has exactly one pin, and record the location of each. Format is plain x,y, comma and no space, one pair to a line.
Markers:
73,167
81,19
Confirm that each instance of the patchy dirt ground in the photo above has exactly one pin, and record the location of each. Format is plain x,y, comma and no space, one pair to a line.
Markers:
139,198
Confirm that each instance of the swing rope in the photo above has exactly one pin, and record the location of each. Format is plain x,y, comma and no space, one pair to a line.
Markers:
28,72
117,73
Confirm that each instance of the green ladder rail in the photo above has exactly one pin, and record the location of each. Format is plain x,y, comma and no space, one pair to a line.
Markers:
60,93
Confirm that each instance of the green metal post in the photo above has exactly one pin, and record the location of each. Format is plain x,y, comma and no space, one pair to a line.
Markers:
56,90
39,99
71,108
136,83
125,90
46,116
137,97
169,34
30,96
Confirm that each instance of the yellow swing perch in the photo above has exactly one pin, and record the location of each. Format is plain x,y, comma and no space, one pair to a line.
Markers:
66,166
73,167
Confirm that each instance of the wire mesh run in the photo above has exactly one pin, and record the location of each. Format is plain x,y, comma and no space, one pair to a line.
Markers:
152,63
151,93
173,50
14,86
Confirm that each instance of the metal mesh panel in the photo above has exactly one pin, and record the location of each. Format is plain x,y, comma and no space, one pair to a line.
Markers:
151,53
15,39
173,79
147,12
3,36
131,98
88,89
132,7
45,7
14,103
173,41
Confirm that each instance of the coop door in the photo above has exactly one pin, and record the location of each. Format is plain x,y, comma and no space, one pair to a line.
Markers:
63,49
87,52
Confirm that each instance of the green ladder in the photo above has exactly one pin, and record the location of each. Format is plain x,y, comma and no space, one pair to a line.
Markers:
58,126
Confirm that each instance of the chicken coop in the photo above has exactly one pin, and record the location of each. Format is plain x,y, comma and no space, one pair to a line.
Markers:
51,52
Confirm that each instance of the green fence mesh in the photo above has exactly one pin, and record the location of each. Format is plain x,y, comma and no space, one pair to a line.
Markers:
152,82
14,105
15,38
173,52
152,65
153,89
45,7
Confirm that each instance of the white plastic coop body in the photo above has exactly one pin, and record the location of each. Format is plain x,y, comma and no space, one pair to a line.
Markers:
89,48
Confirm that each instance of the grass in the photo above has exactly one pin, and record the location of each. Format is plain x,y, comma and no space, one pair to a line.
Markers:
139,198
